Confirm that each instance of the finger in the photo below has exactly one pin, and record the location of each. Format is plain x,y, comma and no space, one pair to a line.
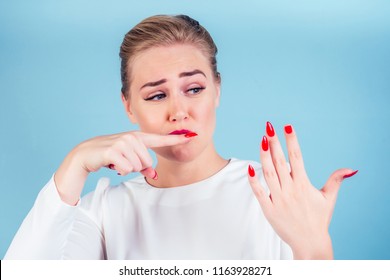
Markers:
140,158
269,171
298,171
150,173
110,166
138,155
147,172
278,157
332,186
127,146
156,140
259,191
119,163
134,160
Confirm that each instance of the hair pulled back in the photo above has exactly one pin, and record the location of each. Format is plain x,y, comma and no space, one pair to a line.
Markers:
164,30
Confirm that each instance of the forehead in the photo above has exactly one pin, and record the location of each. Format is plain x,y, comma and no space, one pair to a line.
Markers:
167,62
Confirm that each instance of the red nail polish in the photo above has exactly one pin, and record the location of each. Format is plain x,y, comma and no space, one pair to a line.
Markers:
270,129
190,134
251,171
264,144
111,166
155,175
288,129
350,174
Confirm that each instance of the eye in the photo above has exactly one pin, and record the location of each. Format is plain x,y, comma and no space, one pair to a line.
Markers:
195,90
156,97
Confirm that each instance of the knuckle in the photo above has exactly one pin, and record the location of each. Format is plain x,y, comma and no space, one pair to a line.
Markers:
137,167
269,174
109,152
258,191
147,161
294,155
118,145
128,169
280,163
125,141
338,180
129,137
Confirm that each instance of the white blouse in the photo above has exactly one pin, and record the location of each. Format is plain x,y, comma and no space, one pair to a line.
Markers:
217,218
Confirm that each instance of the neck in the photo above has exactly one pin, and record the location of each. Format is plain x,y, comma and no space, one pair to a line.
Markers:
175,173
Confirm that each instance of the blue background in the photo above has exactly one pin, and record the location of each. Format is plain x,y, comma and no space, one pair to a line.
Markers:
323,66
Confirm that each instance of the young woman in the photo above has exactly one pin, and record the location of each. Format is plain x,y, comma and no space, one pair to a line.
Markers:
193,204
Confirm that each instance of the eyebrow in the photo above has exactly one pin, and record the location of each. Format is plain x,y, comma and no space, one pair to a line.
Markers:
191,73
181,75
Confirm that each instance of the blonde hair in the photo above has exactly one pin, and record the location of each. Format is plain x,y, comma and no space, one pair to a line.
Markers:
164,30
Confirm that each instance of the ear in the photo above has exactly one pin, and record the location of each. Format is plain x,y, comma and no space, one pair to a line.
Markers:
129,112
218,94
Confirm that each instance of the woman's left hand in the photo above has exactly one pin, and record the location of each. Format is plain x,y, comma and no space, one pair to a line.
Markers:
299,213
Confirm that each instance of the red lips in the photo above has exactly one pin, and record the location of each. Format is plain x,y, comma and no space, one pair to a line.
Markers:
179,132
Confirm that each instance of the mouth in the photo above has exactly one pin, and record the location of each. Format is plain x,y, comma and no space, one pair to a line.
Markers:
181,131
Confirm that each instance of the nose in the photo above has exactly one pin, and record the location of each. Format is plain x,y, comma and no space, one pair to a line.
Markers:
178,110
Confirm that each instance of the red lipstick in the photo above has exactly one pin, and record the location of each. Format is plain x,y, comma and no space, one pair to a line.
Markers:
179,132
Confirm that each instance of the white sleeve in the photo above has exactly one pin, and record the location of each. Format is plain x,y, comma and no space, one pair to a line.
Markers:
56,230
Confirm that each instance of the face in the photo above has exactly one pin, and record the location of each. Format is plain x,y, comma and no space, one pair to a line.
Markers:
173,89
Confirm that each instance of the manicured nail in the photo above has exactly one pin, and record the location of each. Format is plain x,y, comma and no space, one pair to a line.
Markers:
111,166
288,129
251,171
190,134
270,129
264,144
155,177
350,174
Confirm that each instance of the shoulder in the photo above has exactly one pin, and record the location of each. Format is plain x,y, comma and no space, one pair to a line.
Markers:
238,169
236,165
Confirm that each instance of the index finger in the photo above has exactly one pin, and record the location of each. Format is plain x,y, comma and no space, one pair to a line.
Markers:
157,140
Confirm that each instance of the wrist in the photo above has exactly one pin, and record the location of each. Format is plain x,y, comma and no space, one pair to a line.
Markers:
70,179
318,248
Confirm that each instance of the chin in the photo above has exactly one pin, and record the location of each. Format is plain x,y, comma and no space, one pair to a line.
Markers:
180,153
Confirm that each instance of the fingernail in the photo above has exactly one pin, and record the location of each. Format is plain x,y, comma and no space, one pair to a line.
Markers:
155,177
288,129
190,134
350,174
251,171
111,166
270,129
264,144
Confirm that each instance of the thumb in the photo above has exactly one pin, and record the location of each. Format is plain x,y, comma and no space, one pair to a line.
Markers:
333,184
149,172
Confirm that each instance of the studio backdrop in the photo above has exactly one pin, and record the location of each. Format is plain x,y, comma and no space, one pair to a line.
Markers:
323,66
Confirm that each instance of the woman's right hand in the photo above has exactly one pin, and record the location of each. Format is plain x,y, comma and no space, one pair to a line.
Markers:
125,152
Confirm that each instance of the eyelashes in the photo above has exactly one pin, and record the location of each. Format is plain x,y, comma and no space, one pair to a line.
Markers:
159,96
156,97
195,90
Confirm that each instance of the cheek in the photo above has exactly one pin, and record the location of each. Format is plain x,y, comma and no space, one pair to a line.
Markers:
149,120
207,114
